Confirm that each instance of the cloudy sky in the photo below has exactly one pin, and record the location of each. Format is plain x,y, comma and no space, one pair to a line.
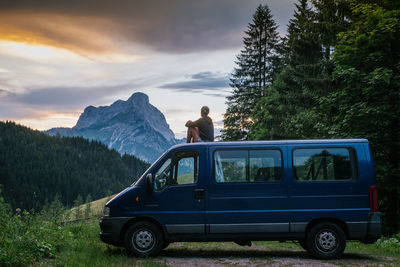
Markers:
57,57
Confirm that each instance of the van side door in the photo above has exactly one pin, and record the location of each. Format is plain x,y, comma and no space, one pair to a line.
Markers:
247,192
177,201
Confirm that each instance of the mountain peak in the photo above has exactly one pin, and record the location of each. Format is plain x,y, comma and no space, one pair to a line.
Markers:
139,97
133,126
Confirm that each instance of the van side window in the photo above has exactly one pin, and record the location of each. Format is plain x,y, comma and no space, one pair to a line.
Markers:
265,165
182,169
186,170
248,166
230,166
324,164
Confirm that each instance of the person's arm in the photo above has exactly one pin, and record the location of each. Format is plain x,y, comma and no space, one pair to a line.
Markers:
193,124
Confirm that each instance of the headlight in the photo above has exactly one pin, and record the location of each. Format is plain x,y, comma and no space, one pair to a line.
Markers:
106,211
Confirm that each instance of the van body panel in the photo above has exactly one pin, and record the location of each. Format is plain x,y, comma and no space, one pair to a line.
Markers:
344,200
246,207
176,207
278,209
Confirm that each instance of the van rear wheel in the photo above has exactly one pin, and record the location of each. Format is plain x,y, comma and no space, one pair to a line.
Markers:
143,239
326,241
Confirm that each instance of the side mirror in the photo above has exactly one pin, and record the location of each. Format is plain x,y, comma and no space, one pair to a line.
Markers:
150,182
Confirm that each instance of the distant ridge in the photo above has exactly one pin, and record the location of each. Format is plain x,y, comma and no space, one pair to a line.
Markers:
133,127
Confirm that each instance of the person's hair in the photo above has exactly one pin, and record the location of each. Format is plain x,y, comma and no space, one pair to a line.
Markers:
204,111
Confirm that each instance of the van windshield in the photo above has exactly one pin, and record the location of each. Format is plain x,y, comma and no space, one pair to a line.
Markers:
148,169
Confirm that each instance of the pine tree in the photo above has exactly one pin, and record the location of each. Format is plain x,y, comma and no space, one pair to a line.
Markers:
303,45
35,167
284,112
77,204
88,207
54,211
367,100
307,77
257,65
331,17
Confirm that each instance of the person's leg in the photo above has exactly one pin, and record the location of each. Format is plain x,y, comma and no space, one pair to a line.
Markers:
192,135
196,134
189,135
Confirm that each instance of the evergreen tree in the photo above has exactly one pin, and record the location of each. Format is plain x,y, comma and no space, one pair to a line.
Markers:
88,206
367,102
54,211
331,17
35,167
77,204
303,43
352,93
285,111
291,110
4,210
257,65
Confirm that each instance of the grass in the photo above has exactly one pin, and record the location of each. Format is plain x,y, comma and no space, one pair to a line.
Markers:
43,240
187,178
96,208
87,250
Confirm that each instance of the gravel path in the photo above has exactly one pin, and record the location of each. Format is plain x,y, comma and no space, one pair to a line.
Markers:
178,254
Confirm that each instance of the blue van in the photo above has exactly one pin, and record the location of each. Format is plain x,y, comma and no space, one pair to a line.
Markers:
318,192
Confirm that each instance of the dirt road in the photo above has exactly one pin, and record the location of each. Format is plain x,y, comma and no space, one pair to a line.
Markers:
226,254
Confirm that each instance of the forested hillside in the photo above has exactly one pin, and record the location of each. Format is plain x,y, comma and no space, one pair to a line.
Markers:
335,75
35,168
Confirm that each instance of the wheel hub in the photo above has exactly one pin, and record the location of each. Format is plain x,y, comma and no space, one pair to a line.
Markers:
143,239
326,240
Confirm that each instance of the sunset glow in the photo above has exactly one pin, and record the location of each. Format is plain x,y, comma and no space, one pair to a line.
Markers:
34,51
58,57
48,120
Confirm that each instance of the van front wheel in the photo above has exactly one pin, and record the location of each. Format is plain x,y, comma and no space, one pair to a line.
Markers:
143,239
326,241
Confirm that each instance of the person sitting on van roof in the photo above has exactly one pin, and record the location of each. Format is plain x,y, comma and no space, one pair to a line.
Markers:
201,130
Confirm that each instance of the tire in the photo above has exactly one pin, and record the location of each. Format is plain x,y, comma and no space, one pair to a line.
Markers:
143,239
303,244
326,241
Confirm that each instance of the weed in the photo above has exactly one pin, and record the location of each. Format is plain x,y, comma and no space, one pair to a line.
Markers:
40,239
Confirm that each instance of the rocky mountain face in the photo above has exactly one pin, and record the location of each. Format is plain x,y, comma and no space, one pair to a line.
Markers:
134,127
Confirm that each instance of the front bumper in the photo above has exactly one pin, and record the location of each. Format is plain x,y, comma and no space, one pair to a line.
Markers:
111,230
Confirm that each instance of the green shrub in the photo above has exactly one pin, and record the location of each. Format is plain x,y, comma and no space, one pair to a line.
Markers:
389,243
27,237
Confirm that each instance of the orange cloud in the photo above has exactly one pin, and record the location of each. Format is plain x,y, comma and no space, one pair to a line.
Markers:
103,26
79,34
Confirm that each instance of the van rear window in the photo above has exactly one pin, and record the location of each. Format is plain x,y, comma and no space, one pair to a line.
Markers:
248,166
324,164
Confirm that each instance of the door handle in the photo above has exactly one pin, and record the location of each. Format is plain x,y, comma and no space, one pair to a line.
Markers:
199,193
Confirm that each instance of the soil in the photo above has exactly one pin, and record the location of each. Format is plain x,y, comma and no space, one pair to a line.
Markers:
178,254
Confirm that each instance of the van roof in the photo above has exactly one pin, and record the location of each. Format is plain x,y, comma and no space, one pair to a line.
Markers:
274,142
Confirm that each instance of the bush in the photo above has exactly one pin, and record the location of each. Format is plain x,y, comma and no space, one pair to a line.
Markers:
27,237
389,243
